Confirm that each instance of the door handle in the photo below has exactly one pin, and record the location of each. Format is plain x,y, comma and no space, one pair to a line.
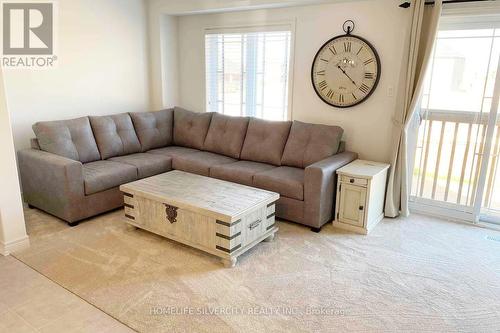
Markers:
361,207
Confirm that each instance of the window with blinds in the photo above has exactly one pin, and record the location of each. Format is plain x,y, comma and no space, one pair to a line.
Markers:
247,73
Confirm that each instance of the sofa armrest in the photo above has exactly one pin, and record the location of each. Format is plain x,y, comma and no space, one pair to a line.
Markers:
319,188
50,182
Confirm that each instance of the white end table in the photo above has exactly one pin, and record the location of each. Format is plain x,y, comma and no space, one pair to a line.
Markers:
361,188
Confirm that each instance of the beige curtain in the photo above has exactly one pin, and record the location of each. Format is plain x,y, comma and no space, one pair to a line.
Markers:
424,26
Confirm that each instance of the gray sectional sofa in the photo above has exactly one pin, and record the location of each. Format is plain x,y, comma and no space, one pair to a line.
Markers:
75,167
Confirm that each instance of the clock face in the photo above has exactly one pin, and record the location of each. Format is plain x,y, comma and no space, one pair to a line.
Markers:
345,71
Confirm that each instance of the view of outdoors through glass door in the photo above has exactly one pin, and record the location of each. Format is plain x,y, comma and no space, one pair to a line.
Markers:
456,114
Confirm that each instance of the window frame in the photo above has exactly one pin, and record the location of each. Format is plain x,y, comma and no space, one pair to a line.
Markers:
474,209
258,27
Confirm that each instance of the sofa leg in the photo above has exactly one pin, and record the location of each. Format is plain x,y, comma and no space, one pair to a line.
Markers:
73,224
316,230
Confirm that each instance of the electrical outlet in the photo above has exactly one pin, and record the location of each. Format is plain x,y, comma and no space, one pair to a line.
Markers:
390,91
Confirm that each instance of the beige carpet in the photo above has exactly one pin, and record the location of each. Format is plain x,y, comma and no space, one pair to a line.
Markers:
416,274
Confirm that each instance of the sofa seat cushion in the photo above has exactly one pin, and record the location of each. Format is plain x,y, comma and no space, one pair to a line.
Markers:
115,135
287,181
240,172
147,164
154,129
226,135
200,163
265,141
190,128
71,138
174,151
310,143
103,175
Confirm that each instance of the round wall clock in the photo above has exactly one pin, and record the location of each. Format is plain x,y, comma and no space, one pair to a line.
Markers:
346,69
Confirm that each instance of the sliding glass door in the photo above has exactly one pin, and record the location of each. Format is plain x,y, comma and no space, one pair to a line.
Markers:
457,155
487,205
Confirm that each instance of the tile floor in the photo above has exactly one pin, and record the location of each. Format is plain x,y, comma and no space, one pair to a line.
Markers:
29,302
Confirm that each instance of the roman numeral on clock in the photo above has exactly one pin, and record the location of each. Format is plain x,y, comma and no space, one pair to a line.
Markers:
330,93
332,49
320,72
364,88
368,61
353,96
369,76
341,98
359,50
347,46
322,85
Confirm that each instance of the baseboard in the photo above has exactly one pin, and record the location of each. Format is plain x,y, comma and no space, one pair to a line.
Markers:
17,245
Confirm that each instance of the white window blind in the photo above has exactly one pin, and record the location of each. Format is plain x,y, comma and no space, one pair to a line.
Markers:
247,73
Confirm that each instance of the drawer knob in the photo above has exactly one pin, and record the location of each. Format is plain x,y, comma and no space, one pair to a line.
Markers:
361,207
351,180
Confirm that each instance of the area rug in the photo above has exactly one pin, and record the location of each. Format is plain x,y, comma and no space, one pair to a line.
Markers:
414,274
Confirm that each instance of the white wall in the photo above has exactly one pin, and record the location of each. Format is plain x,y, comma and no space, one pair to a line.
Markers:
164,38
368,126
102,67
12,227
163,66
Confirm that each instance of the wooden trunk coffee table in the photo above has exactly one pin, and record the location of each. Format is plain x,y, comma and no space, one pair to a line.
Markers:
215,216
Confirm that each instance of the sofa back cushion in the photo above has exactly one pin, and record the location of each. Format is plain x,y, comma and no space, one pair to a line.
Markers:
310,143
71,138
226,135
265,141
115,135
190,128
154,129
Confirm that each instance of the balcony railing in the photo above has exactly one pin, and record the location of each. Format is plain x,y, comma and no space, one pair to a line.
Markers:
448,159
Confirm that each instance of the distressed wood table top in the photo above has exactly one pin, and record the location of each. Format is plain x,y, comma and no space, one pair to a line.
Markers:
223,200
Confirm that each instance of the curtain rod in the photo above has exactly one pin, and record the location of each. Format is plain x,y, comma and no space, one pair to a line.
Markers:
407,3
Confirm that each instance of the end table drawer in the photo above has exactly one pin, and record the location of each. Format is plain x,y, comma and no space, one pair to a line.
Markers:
354,181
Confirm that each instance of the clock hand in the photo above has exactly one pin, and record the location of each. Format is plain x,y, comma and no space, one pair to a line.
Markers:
343,71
